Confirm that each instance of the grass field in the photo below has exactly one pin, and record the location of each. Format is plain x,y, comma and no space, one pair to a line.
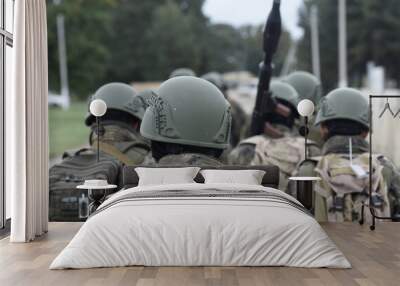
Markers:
67,129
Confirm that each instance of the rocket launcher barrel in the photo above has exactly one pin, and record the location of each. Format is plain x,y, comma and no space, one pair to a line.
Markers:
265,104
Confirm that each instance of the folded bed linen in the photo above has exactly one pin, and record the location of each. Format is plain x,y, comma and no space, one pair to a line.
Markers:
201,225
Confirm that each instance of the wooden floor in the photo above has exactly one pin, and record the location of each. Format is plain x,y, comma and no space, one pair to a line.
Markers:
375,257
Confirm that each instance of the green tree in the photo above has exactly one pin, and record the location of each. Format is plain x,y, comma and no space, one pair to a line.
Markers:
132,40
129,58
173,42
372,35
328,41
225,48
86,34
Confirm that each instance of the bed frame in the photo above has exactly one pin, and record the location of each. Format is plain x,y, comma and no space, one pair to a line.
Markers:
271,178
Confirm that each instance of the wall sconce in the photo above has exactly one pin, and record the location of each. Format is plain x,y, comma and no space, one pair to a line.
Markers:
306,109
98,108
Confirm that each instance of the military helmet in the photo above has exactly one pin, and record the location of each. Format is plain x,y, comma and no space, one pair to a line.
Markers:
306,84
142,101
216,79
189,111
182,72
344,103
117,96
284,91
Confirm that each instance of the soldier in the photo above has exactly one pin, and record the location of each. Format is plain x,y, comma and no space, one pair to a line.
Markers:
182,72
188,123
239,117
343,120
120,125
307,86
277,146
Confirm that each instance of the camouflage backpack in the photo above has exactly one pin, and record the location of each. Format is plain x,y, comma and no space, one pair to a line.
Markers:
73,170
344,191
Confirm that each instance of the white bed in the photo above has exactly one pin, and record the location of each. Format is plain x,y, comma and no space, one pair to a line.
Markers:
247,226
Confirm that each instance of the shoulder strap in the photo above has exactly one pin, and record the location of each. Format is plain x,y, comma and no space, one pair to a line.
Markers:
136,144
67,154
120,155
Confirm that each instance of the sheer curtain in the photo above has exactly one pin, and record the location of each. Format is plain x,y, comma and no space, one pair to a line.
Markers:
27,124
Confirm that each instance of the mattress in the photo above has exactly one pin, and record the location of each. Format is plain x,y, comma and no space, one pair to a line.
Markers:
201,225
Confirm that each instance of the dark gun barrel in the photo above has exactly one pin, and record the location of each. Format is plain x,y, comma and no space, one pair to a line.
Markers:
264,103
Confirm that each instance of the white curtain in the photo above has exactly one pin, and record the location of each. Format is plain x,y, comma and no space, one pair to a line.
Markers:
27,124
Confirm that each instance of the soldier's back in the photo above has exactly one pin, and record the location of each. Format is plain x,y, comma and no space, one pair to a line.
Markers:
285,152
124,144
341,192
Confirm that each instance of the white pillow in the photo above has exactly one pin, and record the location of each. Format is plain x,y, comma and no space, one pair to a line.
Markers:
166,176
244,177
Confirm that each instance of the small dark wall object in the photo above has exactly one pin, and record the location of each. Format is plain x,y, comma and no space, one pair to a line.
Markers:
303,131
305,194
98,138
305,191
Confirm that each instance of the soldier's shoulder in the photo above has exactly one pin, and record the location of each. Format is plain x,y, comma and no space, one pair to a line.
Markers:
242,154
149,160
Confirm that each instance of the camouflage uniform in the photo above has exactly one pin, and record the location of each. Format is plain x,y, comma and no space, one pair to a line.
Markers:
387,180
126,145
189,159
284,149
285,152
344,118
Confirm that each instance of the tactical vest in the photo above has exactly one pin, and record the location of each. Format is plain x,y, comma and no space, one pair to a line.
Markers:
344,192
285,152
126,145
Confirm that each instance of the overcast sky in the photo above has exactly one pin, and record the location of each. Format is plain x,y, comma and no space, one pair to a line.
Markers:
239,12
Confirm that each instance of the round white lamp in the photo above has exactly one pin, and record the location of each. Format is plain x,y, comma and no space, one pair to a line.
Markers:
306,109
98,108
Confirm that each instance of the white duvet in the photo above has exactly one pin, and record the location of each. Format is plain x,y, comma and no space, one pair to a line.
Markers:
202,231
